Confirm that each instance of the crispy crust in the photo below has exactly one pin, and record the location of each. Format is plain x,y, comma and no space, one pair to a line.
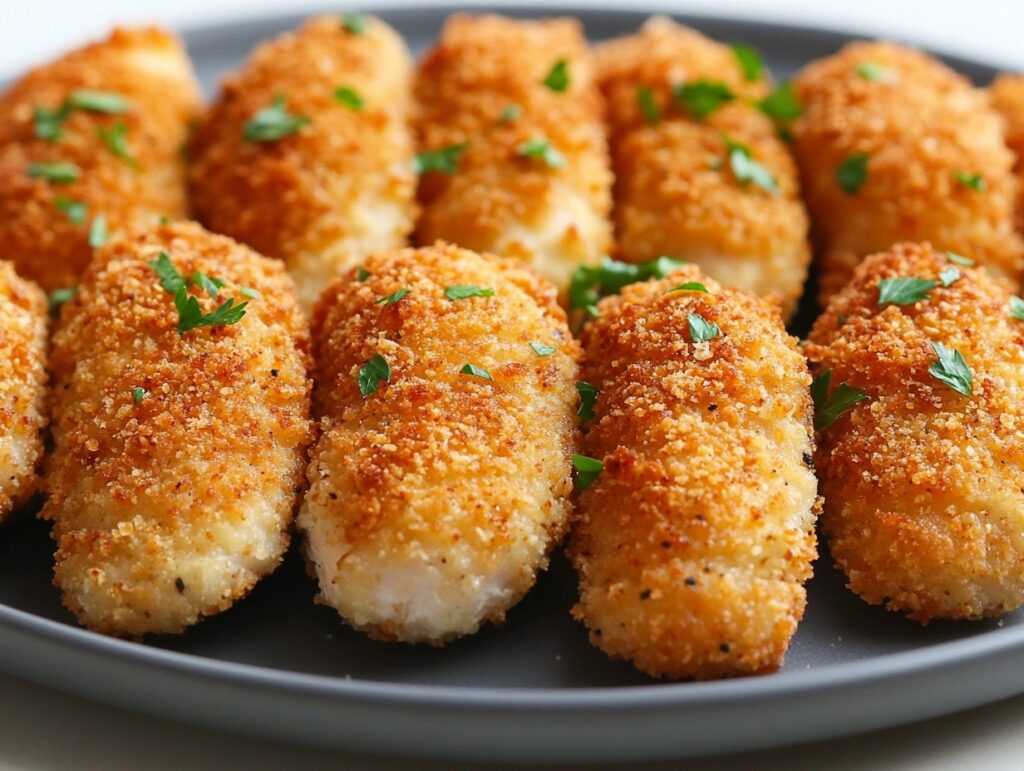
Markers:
434,501
695,540
340,188
150,68
923,486
917,128
1007,94
497,200
22,386
170,509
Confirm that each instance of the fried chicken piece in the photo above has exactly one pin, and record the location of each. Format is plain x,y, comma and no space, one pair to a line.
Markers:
439,485
338,183
683,183
532,179
894,146
178,456
22,386
694,541
94,135
924,509
1008,99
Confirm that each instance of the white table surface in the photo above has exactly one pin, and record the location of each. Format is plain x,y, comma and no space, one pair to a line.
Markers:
43,729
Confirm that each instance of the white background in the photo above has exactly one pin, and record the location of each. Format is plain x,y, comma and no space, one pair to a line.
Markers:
41,729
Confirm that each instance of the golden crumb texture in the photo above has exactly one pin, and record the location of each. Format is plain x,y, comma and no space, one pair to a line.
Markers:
923,129
340,186
435,498
694,542
128,166
923,486
483,87
1007,94
676,192
178,458
23,323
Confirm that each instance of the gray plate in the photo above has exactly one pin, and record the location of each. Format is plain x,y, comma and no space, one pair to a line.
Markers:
278,666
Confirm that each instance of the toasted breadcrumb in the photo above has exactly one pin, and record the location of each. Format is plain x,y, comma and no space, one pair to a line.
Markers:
924,509
695,540
434,500
1008,99
149,68
170,503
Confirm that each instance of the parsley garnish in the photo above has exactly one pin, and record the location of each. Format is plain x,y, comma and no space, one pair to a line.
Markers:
98,101
746,169
273,123
904,291
58,173
781,104
362,274
116,140
647,104
353,23
749,60
588,398
98,231
542,350
76,211
249,292
58,297
874,72
959,259
975,182
701,329
445,160
350,98
462,291
1017,307
171,281
541,148
587,470
951,369
390,299
829,408
48,123
190,314
472,369
510,113
948,276
211,286
138,394
590,284
557,78
372,374
690,286
852,173
703,97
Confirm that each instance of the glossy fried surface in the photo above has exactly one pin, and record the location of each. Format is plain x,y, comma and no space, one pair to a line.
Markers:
924,509
149,68
919,124
22,381
694,542
340,187
675,191
435,499
168,505
1007,94
498,200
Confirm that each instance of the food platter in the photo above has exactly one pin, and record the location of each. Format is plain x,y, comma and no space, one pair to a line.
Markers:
278,666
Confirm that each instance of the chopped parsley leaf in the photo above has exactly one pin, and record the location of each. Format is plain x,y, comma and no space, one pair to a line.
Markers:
588,398
208,284
58,172
191,316
542,350
171,281
98,231
49,123
647,104
690,286
975,182
138,394
828,408
376,371
362,274
904,291
390,299
1017,307
472,369
746,169
249,292
781,104
948,276
98,101
701,329
76,211
350,98
353,23
749,60
703,97
587,470
463,291
510,113
541,148
58,297
951,369
959,259
445,160
589,284
557,78
116,140
852,173
273,123
876,73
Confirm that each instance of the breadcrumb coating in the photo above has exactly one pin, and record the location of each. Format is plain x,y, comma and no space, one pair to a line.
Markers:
1007,94
22,384
675,192
919,124
149,68
339,188
694,542
170,503
434,500
924,487
498,200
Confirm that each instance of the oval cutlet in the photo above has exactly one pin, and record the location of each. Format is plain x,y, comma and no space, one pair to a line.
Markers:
335,182
95,134
693,543
178,456
22,386
922,483
441,478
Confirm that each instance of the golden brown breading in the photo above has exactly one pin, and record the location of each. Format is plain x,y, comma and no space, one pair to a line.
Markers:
499,200
695,540
434,500
675,192
149,68
22,382
924,508
339,188
1007,94
919,124
169,504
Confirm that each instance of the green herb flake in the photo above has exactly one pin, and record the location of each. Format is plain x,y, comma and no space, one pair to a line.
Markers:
249,292
874,72
362,274
98,101
828,408
350,98
690,286
703,97
1017,308
464,291
76,211
781,104
975,182
702,330
959,259
948,276
647,104
48,123
273,123
138,394
590,283
852,173
390,299
59,172
588,398
445,160
951,369
558,78
58,297
746,169
376,371
353,23
170,279
116,140
98,231
587,470
472,369
541,148
542,350
749,60
904,291
208,284
191,316
510,113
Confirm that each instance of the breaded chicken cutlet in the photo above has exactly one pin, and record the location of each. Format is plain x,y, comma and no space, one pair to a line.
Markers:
700,173
923,477
307,155
894,146
512,146
441,480
90,144
22,381
180,423
694,540
1007,94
